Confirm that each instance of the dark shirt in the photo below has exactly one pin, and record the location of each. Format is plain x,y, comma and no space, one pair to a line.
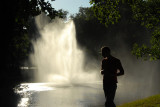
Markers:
110,66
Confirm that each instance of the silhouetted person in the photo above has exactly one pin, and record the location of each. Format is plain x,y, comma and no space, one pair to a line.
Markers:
111,68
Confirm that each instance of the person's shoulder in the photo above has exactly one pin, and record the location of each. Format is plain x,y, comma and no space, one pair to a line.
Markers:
115,59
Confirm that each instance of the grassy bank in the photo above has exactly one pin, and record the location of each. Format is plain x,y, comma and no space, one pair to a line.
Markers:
153,101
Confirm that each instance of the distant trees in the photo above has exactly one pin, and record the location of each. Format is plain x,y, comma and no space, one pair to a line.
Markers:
120,36
89,31
145,12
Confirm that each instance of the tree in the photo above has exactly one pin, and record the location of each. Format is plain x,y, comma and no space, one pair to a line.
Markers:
17,41
146,12
15,37
87,29
92,35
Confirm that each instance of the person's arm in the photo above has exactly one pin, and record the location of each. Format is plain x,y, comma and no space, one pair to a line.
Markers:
102,68
120,68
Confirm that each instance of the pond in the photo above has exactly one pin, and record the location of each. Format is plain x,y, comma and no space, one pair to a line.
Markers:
60,95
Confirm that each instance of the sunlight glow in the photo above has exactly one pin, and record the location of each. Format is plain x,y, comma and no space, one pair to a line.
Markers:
57,55
58,78
23,102
26,87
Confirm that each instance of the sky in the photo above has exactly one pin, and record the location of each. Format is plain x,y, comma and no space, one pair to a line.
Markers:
72,6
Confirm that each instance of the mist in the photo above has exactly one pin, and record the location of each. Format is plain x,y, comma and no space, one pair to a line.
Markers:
61,65
57,55
141,78
66,58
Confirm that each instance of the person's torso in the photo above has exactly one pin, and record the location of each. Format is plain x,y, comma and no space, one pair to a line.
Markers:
110,70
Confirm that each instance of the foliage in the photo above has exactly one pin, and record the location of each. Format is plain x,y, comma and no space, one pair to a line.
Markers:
92,35
17,41
84,13
62,14
89,31
107,11
152,52
153,101
146,12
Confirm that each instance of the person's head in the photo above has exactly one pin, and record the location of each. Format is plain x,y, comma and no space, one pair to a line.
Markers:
106,52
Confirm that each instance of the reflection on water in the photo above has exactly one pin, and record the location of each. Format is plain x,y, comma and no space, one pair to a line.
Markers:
26,90
60,95
25,87
23,102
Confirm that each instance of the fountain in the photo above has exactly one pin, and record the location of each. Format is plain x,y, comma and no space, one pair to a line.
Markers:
61,79
59,72
56,53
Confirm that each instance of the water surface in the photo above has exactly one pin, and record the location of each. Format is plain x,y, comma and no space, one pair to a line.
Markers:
60,95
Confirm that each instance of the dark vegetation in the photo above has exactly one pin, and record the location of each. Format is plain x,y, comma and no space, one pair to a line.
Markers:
144,12
92,35
16,41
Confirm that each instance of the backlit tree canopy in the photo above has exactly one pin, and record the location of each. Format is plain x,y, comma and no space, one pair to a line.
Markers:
145,12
